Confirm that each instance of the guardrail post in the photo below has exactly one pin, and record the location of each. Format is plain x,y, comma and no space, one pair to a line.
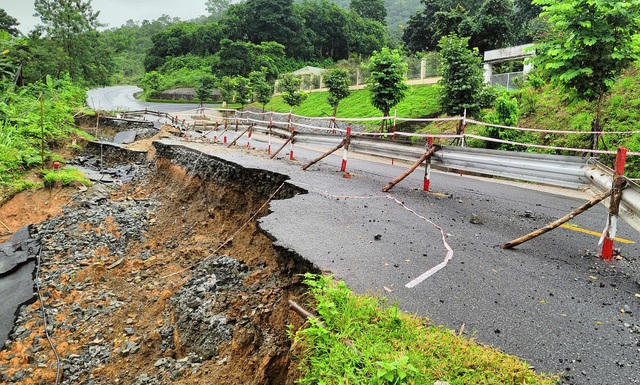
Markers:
269,134
345,154
249,135
291,143
411,169
609,233
427,167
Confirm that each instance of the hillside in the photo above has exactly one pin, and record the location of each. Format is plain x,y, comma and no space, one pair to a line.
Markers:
543,108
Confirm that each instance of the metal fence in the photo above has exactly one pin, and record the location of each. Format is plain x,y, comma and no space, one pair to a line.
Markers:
508,80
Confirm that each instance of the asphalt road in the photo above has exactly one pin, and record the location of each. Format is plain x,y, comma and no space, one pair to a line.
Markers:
549,301
122,98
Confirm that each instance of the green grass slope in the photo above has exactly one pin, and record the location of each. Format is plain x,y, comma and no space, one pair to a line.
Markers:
420,101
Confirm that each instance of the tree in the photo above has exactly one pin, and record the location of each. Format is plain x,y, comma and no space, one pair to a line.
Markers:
438,18
462,82
260,21
525,14
289,85
203,88
181,39
151,82
227,91
337,81
238,58
242,89
261,87
217,8
329,25
386,82
370,9
8,23
591,42
70,28
493,25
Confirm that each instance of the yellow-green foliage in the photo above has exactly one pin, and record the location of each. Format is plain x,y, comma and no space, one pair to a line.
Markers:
361,340
65,176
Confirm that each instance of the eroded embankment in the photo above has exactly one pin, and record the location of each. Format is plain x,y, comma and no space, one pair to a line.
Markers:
168,280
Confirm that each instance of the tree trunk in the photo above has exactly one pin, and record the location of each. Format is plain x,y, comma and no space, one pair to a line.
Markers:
596,126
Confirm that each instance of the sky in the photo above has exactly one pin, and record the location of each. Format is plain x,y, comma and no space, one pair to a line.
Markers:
114,12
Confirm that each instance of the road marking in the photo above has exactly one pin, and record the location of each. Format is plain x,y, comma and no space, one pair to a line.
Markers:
597,234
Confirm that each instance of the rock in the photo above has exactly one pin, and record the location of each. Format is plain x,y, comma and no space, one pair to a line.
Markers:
195,305
441,383
129,331
161,362
476,220
377,237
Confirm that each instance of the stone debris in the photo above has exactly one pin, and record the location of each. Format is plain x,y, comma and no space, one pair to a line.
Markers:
201,322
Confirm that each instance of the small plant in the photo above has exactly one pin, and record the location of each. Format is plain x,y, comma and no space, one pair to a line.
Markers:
396,372
65,176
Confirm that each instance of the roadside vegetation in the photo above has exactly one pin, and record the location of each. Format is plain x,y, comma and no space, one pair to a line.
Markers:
359,339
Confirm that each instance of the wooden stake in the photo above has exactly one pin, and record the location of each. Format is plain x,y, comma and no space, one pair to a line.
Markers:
240,136
558,222
411,169
324,155
5,226
293,133
303,312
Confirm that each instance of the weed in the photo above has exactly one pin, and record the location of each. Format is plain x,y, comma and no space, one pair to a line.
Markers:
362,340
65,176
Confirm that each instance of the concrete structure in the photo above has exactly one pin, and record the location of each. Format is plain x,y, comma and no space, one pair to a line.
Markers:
503,55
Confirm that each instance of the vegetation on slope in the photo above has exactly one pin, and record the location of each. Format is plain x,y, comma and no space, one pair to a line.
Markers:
420,101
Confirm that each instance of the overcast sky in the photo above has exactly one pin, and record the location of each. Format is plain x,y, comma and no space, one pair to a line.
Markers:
114,12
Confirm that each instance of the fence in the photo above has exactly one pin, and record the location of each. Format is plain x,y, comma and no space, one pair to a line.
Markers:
327,132
507,80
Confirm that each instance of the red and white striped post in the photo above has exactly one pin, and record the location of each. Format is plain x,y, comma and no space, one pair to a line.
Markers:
345,154
427,167
609,233
291,144
249,141
269,135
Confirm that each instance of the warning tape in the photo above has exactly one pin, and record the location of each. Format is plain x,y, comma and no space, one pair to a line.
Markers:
543,146
471,121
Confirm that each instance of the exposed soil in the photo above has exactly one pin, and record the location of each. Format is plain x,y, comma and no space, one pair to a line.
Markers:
117,315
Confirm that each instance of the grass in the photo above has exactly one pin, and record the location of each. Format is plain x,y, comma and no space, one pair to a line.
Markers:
420,101
65,177
362,340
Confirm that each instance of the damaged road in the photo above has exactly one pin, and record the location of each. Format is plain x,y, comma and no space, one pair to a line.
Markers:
129,271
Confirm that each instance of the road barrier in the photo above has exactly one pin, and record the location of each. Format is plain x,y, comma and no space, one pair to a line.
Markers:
558,170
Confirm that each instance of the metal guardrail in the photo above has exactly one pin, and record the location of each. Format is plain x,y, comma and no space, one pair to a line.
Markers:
601,178
556,170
